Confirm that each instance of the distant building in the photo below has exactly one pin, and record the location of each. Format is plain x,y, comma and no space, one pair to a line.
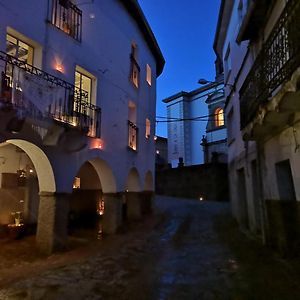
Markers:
214,143
196,134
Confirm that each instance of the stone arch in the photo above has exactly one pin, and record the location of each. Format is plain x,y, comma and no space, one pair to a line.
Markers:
149,182
41,164
105,173
133,183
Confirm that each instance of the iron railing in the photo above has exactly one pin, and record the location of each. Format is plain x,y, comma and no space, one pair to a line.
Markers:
39,95
132,135
67,17
277,60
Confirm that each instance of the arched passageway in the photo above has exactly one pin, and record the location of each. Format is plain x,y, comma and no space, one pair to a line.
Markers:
25,172
94,203
86,202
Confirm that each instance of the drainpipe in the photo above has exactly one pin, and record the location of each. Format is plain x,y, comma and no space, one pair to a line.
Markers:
262,203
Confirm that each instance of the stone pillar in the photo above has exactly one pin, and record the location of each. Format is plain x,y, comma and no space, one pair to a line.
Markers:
134,207
112,218
31,201
52,229
147,198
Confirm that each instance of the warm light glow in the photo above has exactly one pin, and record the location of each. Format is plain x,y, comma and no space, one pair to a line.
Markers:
219,117
100,209
76,183
59,68
148,74
96,144
201,198
30,171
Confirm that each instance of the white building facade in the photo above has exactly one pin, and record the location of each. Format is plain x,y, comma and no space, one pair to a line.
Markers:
78,95
196,126
259,45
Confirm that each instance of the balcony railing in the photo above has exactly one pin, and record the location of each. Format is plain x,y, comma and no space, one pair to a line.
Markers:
278,59
38,95
67,17
132,135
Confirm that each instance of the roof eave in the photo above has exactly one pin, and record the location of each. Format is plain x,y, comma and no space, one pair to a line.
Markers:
135,10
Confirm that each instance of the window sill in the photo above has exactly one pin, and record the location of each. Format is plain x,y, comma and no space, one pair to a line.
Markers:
131,149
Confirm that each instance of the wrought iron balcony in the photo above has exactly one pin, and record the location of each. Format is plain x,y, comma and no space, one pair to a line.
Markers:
67,17
132,135
278,59
38,95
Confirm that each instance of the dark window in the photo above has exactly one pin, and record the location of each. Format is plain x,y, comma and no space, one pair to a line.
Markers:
285,182
135,69
67,17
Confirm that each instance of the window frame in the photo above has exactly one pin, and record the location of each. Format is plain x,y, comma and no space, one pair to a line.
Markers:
219,121
148,75
134,66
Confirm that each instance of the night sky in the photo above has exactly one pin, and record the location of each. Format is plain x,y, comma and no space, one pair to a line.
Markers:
185,32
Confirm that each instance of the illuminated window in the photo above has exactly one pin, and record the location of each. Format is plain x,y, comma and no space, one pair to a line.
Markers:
132,128
84,82
67,17
219,117
148,75
148,128
76,183
135,69
19,49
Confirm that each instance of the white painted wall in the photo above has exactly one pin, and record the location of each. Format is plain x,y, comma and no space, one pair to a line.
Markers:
240,153
184,138
105,53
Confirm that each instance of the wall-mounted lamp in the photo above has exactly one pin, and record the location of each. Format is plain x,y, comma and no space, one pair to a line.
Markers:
59,68
97,144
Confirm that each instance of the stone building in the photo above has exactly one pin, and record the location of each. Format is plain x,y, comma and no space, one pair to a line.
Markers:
77,114
259,44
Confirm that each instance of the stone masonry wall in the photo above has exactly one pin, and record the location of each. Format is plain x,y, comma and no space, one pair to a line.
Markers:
209,181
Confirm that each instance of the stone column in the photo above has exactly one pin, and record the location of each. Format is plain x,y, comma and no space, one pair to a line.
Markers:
112,218
31,201
147,198
52,229
134,208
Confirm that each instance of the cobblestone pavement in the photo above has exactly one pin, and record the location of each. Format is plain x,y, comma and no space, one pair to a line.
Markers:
188,250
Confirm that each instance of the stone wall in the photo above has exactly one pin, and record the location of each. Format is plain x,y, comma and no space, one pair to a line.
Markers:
209,181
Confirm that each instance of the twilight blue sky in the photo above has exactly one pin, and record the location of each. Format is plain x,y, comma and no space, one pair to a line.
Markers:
185,32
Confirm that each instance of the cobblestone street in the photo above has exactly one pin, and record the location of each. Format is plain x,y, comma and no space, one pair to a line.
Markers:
187,250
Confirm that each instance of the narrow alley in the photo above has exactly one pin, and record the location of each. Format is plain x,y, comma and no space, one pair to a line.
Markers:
187,250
